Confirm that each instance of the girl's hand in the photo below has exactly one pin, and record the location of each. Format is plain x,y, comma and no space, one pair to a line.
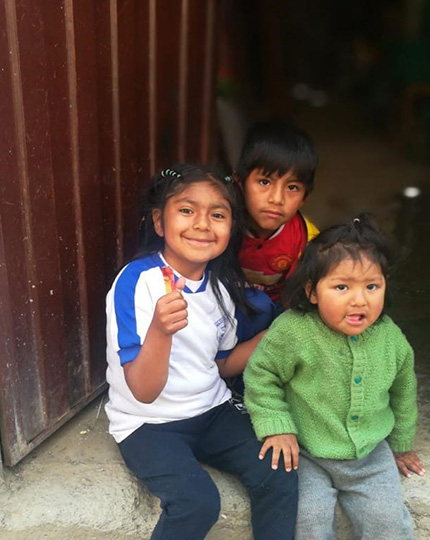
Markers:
287,444
170,314
409,461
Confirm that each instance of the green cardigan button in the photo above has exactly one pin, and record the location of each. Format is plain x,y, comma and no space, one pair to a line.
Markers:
357,380
354,417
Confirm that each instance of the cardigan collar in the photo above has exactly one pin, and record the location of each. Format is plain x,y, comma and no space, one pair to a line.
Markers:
333,335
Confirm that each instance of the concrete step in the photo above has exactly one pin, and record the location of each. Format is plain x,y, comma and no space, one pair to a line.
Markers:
76,486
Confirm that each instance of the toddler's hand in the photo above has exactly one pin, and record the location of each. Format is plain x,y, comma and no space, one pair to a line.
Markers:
170,314
285,444
409,461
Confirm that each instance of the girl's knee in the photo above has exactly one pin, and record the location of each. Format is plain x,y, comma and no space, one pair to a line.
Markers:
278,485
189,511
284,482
193,499
204,502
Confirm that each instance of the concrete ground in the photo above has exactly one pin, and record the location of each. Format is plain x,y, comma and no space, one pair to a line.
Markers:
75,486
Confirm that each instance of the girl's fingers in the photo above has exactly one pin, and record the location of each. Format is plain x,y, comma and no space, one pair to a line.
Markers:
180,284
409,461
172,302
414,464
275,458
295,458
417,469
171,314
287,460
403,469
178,325
282,444
263,451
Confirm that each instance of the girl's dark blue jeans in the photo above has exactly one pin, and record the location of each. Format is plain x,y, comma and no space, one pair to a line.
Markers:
167,459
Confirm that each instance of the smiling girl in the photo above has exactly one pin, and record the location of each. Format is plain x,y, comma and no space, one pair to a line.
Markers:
171,337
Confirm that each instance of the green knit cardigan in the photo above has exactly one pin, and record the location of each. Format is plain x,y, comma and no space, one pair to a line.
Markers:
340,395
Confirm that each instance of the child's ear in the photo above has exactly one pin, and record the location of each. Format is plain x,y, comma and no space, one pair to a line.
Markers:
311,294
157,216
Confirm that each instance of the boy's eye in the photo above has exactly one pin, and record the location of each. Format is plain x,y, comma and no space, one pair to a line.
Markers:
218,215
185,210
372,287
293,187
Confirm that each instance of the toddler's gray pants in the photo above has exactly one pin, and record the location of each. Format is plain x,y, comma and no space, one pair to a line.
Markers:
368,489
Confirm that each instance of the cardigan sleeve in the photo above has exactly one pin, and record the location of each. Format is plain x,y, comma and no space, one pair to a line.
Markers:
403,401
267,372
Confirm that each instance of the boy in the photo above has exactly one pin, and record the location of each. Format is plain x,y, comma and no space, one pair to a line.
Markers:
276,170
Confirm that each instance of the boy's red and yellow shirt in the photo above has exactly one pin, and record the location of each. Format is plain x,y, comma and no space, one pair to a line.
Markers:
267,263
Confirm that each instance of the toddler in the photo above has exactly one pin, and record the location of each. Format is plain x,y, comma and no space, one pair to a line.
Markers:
333,379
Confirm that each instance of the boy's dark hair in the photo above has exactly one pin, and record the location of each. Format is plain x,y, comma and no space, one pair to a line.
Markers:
225,267
278,147
360,237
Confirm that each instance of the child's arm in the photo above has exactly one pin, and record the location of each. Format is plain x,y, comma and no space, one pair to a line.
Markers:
235,362
408,462
287,445
146,375
403,402
266,375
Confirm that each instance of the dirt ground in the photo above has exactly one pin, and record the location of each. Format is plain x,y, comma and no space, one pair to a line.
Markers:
59,533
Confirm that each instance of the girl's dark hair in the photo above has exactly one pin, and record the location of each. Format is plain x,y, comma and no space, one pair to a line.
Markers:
360,237
278,147
225,268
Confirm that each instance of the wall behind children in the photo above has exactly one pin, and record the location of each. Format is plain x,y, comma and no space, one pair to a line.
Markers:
95,95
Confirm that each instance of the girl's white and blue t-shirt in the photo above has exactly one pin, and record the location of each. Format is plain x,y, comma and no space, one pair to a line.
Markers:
194,384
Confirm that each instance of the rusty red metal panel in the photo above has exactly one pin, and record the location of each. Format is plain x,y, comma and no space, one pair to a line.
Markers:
87,185
142,88
207,146
38,197
63,173
10,403
18,249
128,52
109,141
196,65
168,17
94,96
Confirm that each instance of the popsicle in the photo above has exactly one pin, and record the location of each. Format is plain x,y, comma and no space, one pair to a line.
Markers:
169,279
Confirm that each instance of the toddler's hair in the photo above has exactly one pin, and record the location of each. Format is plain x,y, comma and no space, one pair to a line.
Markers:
277,148
354,240
172,181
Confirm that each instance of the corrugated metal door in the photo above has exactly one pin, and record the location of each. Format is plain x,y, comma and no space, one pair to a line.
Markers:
94,96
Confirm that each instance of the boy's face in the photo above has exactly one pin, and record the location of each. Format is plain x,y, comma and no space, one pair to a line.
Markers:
272,200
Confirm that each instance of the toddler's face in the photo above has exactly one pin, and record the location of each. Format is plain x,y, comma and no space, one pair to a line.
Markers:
350,298
272,200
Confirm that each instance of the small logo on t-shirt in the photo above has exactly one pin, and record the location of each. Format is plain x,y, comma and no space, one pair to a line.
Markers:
280,263
221,325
